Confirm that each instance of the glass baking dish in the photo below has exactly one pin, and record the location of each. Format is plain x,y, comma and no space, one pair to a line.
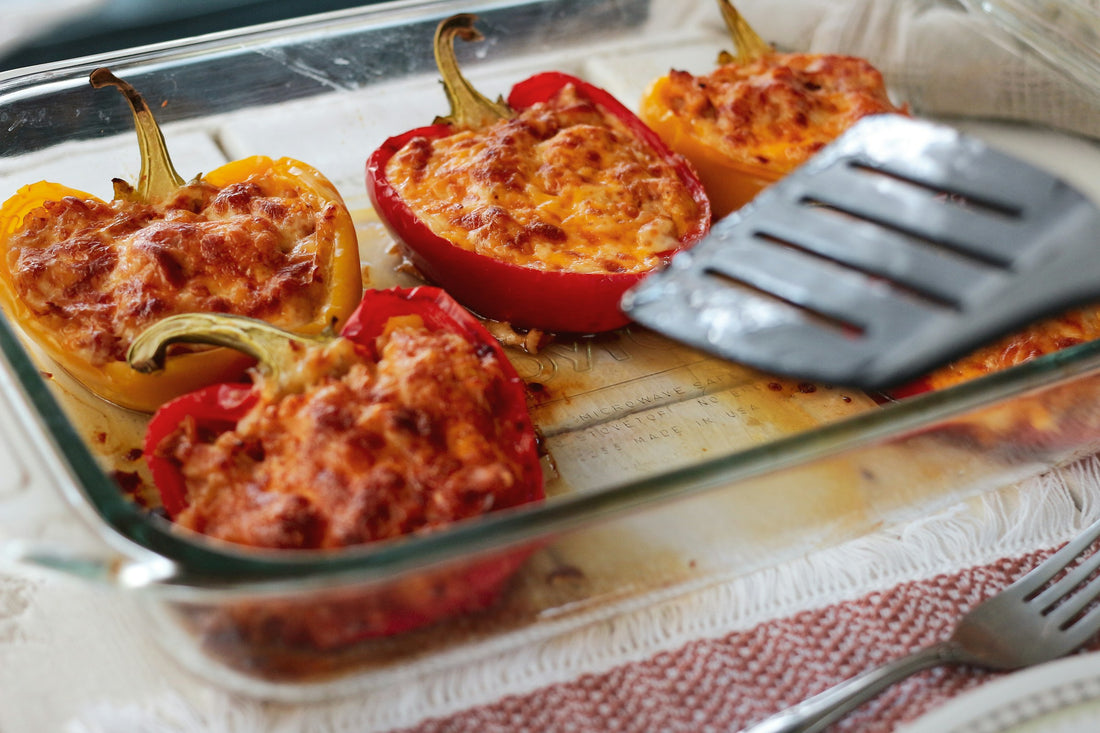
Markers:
667,470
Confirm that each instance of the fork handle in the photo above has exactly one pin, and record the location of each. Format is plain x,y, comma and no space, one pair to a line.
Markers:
824,708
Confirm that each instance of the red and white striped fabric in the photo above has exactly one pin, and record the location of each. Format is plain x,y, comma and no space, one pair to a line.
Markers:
715,660
725,684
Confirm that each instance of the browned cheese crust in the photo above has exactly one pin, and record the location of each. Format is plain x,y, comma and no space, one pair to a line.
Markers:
372,451
779,110
1042,337
1052,422
564,186
100,272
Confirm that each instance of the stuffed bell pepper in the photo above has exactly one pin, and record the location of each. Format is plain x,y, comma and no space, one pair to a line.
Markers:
411,419
1046,336
266,238
759,114
539,210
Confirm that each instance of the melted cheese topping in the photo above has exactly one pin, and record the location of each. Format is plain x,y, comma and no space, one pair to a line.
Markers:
779,110
1039,338
99,272
1057,418
564,186
369,451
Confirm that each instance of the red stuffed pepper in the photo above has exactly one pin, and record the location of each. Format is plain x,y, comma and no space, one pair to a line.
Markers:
411,419
539,211
1046,336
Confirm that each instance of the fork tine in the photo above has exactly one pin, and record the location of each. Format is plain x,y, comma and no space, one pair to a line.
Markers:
1057,562
1085,627
1063,614
1065,585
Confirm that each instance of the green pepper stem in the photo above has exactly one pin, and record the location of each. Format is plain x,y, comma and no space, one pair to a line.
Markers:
750,46
158,179
470,110
275,350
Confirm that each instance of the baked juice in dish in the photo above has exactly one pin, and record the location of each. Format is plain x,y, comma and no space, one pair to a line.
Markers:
759,114
410,420
270,239
539,211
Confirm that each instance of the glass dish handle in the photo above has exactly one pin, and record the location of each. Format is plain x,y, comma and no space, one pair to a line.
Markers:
39,527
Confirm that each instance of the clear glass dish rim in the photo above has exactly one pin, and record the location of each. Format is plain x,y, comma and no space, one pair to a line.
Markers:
202,564
389,12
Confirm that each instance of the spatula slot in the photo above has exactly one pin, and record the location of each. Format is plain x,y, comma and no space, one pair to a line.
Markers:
877,276
944,194
744,290
965,255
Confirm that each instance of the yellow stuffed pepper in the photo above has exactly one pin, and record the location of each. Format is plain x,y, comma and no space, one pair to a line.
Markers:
270,239
760,114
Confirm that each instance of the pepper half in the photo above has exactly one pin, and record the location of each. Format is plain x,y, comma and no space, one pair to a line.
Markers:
760,114
35,275
281,356
359,458
526,294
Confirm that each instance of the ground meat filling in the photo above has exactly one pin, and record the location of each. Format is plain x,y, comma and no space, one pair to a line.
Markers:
779,110
100,272
375,451
564,186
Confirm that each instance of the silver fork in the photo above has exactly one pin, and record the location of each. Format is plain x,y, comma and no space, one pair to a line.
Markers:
1031,621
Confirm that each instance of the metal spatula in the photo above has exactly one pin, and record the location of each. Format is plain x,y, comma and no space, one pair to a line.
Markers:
900,246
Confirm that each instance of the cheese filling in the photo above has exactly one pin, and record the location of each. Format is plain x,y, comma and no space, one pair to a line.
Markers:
564,186
100,272
367,452
780,109
1042,337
